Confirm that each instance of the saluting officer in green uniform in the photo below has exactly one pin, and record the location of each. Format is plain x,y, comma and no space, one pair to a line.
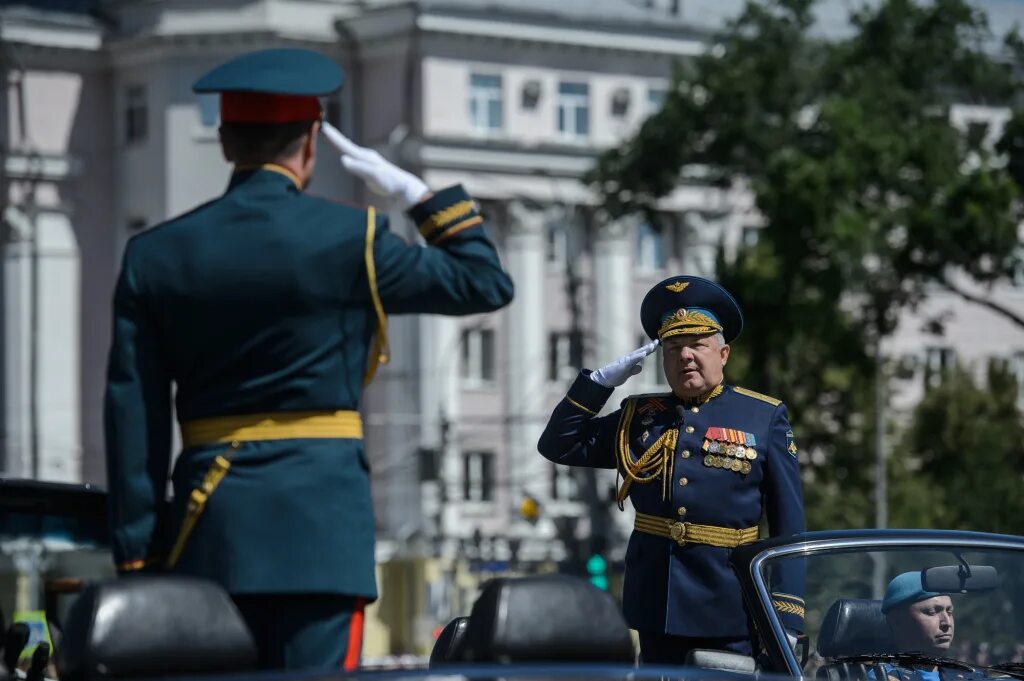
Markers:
265,309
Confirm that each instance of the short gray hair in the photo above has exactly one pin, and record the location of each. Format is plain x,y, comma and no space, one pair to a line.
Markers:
720,338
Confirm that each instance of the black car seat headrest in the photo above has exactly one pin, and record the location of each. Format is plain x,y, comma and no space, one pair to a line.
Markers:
450,643
855,626
153,626
546,618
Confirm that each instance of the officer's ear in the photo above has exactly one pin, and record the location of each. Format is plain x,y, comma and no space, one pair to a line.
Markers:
309,141
308,158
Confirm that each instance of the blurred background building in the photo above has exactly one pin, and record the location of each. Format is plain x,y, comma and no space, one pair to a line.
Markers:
102,138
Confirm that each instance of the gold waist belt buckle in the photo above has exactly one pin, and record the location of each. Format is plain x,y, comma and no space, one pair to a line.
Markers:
273,426
692,533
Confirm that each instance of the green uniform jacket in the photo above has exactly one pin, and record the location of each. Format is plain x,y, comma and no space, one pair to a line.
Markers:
255,302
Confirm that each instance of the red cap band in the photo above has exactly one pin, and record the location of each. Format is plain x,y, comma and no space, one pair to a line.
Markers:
259,107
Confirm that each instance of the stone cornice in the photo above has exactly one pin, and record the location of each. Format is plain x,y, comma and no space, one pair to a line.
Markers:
39,167
526,29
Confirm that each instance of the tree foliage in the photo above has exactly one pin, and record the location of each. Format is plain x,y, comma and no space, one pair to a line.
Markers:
967,468
868,194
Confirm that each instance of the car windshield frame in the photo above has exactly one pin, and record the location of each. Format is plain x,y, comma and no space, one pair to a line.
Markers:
754,577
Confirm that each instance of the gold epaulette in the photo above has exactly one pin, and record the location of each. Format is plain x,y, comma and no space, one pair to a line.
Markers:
758,396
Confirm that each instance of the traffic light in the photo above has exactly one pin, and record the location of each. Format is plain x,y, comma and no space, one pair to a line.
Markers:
597,568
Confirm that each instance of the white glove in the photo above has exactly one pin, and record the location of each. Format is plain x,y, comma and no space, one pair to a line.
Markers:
401,188
619,371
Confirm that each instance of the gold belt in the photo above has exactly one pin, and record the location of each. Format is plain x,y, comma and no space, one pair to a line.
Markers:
273,426
692,533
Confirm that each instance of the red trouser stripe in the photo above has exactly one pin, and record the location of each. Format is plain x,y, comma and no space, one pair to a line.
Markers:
355,637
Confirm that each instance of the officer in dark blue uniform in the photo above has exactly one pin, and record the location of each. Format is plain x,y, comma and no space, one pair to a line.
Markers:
265,309
700,464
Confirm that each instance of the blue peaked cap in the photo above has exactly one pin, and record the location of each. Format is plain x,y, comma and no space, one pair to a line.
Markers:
698,295
905,589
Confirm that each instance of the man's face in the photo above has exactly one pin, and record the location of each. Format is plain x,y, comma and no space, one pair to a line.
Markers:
694,364
925,626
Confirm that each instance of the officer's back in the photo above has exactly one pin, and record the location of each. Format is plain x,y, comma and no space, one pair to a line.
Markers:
266,311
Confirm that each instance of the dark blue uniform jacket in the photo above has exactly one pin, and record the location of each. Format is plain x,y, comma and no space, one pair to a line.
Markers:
691,590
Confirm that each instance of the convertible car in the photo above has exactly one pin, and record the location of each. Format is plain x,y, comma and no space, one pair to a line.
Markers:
545,626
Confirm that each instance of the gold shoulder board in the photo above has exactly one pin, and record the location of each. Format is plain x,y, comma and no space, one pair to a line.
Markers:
758,396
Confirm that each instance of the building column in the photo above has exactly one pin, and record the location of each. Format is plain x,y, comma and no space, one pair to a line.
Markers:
42,410
617,328
526,470
616,314
440,359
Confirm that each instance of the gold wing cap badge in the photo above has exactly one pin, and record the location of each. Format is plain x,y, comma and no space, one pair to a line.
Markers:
677,287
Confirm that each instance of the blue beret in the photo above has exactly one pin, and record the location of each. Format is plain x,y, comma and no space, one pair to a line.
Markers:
905,589
690,305
285,71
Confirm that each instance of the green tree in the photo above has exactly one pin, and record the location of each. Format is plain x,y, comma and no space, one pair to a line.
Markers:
867,192
966,463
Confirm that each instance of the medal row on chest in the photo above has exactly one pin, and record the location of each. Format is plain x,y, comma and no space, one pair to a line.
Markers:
729,450
725,463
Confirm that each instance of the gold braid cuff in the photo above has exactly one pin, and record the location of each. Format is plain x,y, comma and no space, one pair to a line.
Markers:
787,607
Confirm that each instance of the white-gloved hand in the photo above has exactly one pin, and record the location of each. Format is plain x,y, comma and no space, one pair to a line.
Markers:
619,371
402,189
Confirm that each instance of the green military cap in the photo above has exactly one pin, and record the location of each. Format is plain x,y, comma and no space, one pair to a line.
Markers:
272,86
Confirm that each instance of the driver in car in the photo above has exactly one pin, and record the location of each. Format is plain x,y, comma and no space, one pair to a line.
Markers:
921,622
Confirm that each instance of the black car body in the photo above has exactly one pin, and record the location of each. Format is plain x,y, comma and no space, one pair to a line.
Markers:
846,635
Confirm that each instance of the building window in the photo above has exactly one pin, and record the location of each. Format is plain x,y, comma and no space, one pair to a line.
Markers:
478,356
563,363
563,483
751,236
574,109
620,103
557,247
1017,277
937,361
650,248
653,374
209,109
332,109
135,113
485,103
478,476
655,99
1017,368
